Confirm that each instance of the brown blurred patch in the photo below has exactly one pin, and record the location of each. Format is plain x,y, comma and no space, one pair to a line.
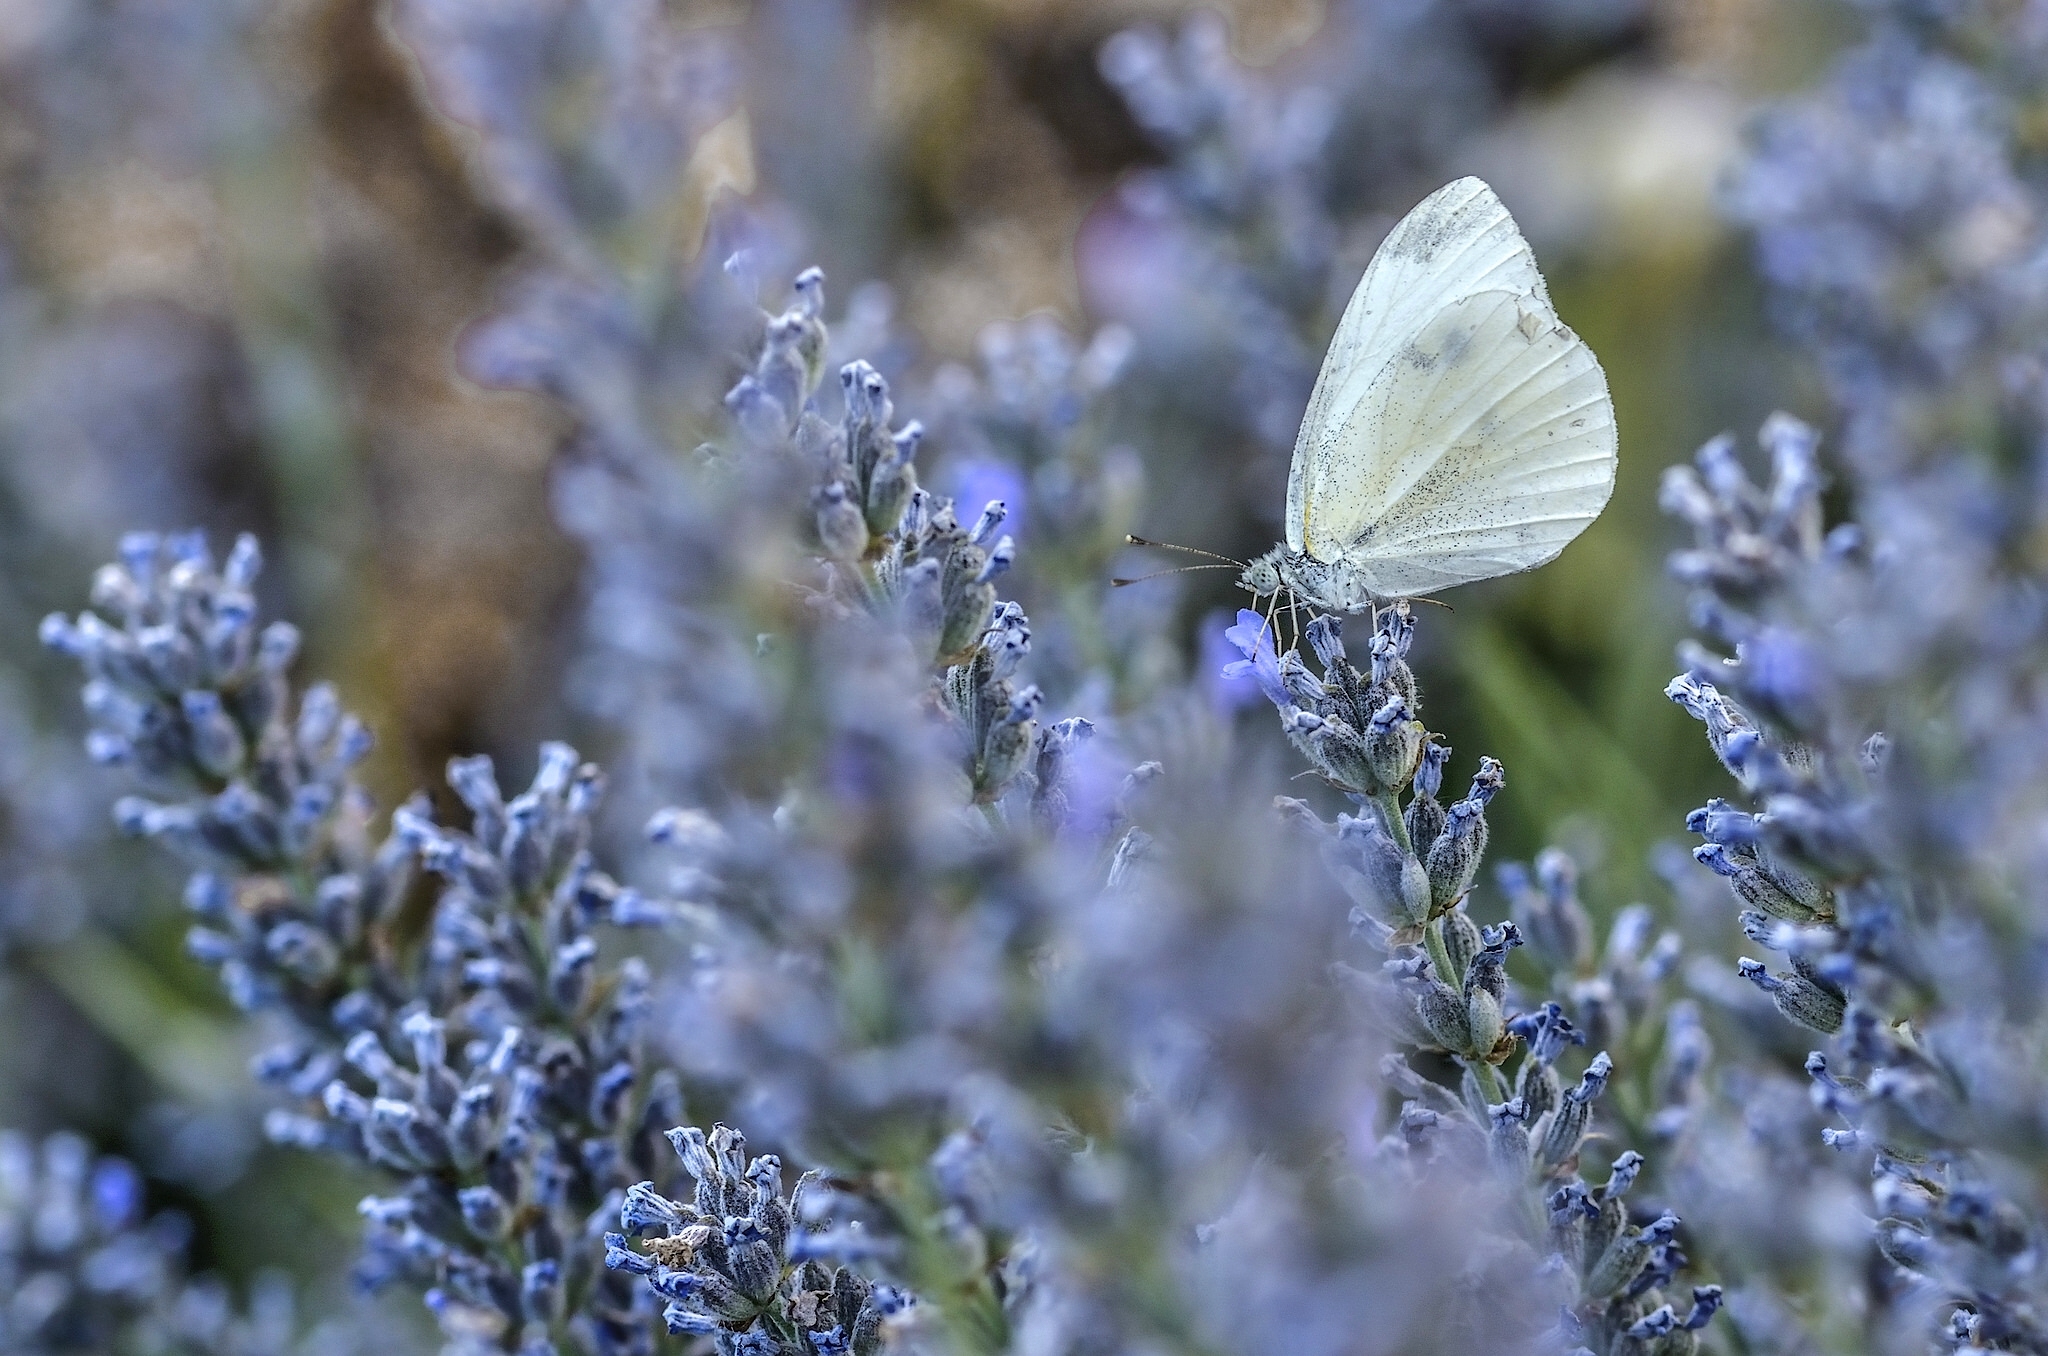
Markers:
474,577
1006,133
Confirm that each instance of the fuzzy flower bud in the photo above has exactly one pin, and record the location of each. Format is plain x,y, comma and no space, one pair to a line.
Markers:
1393,743
1455,855
1797,996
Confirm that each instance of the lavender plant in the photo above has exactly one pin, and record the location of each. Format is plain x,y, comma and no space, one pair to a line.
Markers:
914,666
1869,685
981,913
1410,869
904,1074
808,761
79,1263
523,1104
881,1066
1884,924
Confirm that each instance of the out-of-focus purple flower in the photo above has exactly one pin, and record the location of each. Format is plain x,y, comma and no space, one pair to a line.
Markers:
1252,637
1231,687
88,1268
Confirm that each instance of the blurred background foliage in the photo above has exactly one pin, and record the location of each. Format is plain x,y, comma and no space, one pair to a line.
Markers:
238,245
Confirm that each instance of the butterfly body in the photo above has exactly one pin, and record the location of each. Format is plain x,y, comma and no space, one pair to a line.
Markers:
1331,586
1458,429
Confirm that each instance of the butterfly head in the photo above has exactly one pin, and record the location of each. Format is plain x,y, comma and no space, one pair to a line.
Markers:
1262,575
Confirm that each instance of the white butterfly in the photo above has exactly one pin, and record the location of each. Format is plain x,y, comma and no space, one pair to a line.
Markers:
1458,431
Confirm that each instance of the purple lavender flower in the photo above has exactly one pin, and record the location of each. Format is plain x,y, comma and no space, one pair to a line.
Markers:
1253,638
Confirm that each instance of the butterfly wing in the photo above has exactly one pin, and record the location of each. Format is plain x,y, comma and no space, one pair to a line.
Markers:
1458,430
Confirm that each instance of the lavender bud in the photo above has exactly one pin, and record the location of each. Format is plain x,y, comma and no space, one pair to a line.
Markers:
619,1257
1425,816
471,1123
992,516
1299,685
1326,638
540,1291
1761,890
217,744
1560,934
963,618
485,1212
1797,997
842,529
1508,1141
1625,1256
1333,746
1385,881
1393,744
1000,558
1455,855
1443,1011
1536,1084
754,1267
1622,1175
890,488
1568,1124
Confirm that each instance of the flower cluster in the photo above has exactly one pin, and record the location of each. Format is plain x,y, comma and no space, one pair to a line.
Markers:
931,753
184,687
85,1268
1031,424
79,1262
740,1262
473,1048
1359,729
1409,870
900,552
1843,865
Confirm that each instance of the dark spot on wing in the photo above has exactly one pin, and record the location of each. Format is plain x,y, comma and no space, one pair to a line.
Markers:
1422,234
1451,348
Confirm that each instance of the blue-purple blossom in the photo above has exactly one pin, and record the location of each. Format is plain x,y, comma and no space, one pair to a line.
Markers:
1253,637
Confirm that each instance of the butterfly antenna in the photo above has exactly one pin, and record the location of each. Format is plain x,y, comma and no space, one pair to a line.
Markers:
1179,569
1193,550
1433,602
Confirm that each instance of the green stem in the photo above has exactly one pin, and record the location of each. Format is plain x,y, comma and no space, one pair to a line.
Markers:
1489,1081
1390,813
939,1270
1439,957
